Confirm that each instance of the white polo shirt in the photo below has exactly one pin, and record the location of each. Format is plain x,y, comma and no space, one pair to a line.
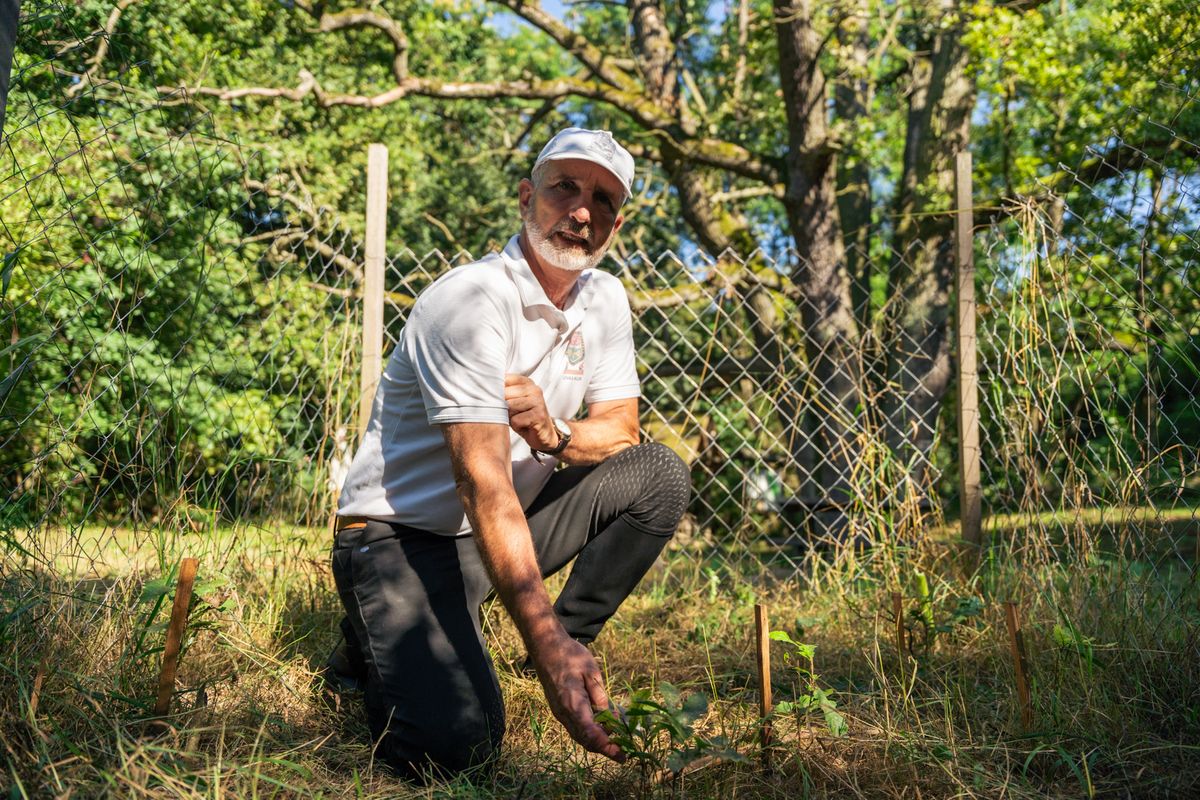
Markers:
469,329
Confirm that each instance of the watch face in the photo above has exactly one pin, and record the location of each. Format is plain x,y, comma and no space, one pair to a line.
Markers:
562,428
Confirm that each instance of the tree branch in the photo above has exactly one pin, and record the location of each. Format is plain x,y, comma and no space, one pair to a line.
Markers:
743,276
576,44
734,195
612,86
399,299
293,235
711,152
308,240
1120,158
654,52
97,58
358,18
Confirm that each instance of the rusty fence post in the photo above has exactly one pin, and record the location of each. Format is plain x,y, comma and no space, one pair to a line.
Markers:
762,642
175,631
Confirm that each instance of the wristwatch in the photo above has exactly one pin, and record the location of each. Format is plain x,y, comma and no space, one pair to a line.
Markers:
564,439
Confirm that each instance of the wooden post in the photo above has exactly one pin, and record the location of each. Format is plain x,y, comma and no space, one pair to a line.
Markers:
39,679
1017,643
763,658
372,294
898,610
968,367
175,630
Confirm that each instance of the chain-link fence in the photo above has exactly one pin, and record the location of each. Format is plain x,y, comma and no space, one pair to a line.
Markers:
178,317
1090,353
726,384
182,328
183,324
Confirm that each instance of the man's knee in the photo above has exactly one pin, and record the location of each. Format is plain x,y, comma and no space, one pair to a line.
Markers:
656,483
438,750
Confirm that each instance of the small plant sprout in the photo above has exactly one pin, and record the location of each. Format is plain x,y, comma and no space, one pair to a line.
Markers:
809,697
661,735
925,612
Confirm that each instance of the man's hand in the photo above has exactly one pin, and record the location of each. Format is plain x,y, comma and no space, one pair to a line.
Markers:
574,688
527,413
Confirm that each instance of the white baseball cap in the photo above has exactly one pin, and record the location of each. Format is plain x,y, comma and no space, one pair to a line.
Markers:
599,147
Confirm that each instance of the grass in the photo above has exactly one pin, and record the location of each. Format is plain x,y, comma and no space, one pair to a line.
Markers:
1113,647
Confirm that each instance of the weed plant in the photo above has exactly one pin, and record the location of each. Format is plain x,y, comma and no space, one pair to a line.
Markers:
1113,649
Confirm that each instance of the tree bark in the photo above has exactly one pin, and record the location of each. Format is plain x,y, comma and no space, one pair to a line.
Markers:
922,270
831,385
852,102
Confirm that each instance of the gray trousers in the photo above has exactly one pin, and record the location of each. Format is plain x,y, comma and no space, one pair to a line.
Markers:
412,602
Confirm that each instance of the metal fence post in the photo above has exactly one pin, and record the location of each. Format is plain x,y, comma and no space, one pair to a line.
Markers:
372,293
968,368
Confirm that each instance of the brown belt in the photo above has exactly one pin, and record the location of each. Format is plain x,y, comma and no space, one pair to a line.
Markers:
346,523
348,531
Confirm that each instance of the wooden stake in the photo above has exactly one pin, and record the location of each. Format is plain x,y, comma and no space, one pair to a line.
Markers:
763,642
175,630
971,508
373,280
1017,641
898,611
38,679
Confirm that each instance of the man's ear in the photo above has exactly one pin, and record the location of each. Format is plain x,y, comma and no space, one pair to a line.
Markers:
619,222
524,192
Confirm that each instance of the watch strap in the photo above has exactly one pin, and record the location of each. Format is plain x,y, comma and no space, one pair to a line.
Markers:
564,439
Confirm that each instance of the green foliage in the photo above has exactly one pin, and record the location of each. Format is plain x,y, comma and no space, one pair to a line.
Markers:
966,609
179,363
661,735
809,697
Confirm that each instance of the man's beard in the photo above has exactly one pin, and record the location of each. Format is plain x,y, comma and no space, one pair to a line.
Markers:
570,258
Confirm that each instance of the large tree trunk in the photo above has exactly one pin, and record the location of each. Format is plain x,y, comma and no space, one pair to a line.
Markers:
852,102
922,270
831,385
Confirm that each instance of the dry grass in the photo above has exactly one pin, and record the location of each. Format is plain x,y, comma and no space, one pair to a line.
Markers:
1114,654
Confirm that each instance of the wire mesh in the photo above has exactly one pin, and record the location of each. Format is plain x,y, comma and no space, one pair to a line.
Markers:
175,362
180,349
777,469
1090,354
178,316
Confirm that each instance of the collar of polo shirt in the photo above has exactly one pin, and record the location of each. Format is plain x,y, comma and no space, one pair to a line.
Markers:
533,295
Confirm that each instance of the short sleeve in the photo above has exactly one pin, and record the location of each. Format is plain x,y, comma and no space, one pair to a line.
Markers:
615,377
458,339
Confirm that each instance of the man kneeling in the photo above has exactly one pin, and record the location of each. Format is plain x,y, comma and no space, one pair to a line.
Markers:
454,493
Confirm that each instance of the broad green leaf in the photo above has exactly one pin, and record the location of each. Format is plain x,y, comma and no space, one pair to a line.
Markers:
695,706
155,589
781,636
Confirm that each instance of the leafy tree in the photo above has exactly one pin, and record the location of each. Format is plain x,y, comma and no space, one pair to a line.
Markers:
819,132
837,122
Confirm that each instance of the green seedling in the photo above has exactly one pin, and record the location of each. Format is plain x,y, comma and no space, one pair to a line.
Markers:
925,598
966,609
661,735
810,697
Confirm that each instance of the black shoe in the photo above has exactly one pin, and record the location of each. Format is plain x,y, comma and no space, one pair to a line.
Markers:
526,669
344,670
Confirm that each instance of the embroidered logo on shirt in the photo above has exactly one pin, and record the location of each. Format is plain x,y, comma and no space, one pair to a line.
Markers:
575,354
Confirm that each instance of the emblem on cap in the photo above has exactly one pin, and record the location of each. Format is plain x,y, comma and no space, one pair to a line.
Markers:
605,145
